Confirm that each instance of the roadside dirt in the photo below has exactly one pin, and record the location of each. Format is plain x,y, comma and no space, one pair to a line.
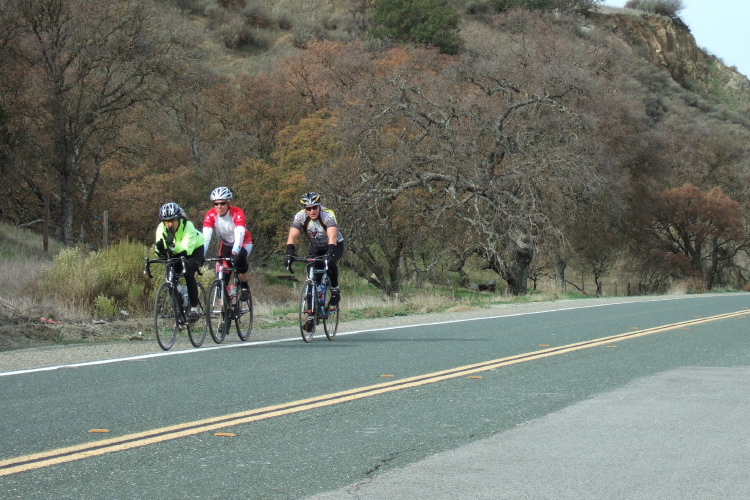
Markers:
21,332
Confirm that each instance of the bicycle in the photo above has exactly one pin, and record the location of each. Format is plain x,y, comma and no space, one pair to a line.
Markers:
171,306
237,309
315,300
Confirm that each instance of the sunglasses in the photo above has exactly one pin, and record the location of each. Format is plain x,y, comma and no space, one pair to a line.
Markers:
310,209
220,203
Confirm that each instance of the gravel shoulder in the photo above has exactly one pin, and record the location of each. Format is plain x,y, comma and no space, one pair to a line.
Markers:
41,353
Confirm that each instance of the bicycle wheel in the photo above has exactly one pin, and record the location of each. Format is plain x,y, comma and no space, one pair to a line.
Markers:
197,330
330,315
165,317
244,317
307,311
216,312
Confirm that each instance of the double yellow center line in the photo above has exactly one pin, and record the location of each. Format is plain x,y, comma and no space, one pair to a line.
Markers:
101,447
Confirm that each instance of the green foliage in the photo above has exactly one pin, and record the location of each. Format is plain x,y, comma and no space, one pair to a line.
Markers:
100,281
105,307
504,5
429,22
669,8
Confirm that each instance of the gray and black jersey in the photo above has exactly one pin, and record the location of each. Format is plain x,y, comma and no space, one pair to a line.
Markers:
316,229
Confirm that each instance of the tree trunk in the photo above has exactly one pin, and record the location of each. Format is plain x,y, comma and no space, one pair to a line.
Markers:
560,266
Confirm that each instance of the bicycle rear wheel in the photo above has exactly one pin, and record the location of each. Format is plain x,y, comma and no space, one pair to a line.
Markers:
307,308
197,330
244,317
216,312
165,317
330,315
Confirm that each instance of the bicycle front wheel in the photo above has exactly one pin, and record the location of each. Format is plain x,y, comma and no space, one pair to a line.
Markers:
165,317
244,316
330,315
307,307
197,329
216,312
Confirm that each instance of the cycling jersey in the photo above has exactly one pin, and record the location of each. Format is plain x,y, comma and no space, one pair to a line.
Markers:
231,229
186,237
316,228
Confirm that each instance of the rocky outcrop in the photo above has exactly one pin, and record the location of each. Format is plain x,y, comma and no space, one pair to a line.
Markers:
669,44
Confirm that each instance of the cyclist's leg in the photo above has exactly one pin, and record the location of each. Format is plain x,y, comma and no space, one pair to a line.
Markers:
242,268
193,262
333,274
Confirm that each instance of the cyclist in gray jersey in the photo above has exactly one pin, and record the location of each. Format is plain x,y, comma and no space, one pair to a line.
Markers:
320,226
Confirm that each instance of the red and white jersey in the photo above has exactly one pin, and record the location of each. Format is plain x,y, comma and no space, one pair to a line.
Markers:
231,229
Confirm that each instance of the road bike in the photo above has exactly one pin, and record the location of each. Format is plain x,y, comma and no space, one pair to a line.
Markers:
227,303
315,300
171,305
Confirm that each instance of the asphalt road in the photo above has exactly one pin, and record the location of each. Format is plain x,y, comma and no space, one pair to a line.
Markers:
641,399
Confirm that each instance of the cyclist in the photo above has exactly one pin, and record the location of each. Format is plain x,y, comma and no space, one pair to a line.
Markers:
178,237
319,223
235,240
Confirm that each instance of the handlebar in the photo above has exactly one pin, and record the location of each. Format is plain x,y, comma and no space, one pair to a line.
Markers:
309,259
231,259
167,261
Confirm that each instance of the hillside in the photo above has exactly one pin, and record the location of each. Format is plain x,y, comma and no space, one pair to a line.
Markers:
285,26
669,45
546,140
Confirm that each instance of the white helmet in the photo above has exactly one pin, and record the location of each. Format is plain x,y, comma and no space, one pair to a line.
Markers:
221,193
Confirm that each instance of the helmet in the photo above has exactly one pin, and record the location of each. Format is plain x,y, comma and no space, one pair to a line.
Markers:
221,193
170,211
310,199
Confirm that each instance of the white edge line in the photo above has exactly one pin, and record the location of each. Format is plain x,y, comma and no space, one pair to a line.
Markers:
354,332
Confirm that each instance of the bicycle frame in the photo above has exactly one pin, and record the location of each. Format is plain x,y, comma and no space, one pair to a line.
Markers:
224,309
170,313
315,300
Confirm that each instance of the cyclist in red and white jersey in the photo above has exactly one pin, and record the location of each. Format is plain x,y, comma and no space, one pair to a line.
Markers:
228,222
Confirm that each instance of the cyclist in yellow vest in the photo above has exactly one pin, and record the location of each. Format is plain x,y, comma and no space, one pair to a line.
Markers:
176,237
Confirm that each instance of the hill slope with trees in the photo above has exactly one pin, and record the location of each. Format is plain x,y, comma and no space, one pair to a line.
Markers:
524,137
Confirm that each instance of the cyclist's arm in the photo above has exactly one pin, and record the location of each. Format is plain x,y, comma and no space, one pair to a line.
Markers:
208,232
239,237
333,235
294,235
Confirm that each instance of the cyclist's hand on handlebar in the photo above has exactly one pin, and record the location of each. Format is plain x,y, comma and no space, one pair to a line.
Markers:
330,254
289,254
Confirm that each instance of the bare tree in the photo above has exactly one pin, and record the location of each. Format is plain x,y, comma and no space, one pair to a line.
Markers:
84,65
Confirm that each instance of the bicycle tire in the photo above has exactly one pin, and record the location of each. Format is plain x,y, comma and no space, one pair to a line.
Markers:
330,316
165,317
305,311
217,312
244,317
197,330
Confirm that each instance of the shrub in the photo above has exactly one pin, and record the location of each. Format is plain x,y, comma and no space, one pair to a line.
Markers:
100,280
237,34
429,22
669,8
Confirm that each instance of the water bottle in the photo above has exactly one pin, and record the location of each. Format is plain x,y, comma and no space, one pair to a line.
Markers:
182,290
232,293
322,292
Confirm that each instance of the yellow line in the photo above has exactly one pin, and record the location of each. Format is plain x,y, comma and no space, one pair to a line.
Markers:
129,441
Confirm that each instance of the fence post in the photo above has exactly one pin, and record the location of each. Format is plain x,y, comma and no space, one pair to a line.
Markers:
105,229
45,225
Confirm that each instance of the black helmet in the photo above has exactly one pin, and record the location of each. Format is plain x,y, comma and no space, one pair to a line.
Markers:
310,199
170,211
